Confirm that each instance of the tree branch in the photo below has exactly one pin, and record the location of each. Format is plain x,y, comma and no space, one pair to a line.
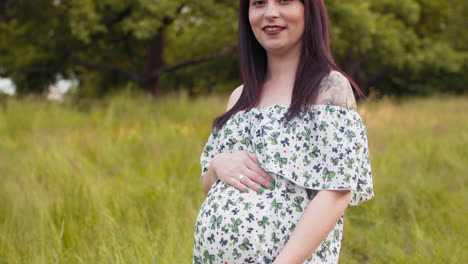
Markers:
107,67
26,69
120,16
155,75
112,22
52,66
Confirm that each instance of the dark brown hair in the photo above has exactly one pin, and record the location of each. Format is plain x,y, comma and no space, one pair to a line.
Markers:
315,63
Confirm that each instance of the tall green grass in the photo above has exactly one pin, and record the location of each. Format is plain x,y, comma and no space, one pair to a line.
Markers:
117,181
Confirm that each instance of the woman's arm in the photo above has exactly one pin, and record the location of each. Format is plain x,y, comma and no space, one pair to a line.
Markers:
324,211
210,178
318,219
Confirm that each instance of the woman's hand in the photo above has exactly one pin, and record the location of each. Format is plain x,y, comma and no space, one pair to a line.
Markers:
229,166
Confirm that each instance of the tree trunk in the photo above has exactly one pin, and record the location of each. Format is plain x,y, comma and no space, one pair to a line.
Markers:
352,66
155,62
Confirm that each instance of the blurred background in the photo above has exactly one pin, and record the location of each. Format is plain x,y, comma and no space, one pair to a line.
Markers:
103,116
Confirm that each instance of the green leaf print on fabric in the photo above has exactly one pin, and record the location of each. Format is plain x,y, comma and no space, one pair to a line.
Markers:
327,150
323,149
235,225
276,206
279,160
264,222
273,138
245,244
259,148
275,239
232,143
207,257
328,175
216,222
315,152
209,151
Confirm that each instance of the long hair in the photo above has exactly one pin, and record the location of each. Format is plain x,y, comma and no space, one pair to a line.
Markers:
316,62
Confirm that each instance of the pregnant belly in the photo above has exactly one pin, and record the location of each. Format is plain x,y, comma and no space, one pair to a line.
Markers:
237,227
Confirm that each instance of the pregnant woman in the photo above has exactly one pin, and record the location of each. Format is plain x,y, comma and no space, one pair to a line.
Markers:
290,153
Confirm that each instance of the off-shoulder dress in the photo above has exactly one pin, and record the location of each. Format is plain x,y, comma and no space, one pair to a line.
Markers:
324,149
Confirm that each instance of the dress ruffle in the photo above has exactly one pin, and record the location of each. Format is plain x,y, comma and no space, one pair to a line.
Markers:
324,149
327,150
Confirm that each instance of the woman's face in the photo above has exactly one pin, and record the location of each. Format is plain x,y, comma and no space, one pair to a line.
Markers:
278,25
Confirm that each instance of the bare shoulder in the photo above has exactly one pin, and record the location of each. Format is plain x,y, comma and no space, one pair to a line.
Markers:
235,95
335,89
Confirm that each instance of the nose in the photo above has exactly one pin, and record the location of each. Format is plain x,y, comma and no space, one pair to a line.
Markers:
271,10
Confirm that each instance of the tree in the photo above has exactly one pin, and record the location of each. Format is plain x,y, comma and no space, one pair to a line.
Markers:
107,42
393,46
391,43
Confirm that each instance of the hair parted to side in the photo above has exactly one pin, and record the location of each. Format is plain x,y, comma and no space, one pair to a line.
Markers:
315,63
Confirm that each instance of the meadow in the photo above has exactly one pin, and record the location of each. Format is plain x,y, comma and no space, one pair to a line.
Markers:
117,180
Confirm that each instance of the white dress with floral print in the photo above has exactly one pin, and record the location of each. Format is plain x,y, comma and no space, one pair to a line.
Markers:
323,149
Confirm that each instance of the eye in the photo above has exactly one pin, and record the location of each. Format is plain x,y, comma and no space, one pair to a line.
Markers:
258,2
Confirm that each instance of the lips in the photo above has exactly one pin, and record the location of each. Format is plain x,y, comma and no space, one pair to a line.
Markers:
272,28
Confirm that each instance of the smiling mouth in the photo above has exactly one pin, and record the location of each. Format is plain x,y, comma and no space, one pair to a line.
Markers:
273,28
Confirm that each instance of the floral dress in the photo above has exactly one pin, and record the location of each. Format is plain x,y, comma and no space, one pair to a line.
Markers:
323,149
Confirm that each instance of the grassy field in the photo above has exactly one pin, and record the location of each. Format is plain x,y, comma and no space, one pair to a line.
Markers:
118,181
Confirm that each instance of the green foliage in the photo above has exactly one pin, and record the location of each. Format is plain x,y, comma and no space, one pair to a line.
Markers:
380,43
116,181
114,38
192,36
396,44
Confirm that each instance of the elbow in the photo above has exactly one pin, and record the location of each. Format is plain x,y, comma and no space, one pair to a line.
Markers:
205,190
344,200
339,199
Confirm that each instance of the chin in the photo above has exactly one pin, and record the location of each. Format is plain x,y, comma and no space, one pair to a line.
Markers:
277,49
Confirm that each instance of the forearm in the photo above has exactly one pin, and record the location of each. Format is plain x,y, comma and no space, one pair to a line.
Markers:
209,178
319,217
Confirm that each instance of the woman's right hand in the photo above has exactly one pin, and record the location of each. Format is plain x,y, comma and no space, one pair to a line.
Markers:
229,166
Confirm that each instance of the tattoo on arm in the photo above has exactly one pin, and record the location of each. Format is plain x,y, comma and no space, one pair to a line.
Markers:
335,89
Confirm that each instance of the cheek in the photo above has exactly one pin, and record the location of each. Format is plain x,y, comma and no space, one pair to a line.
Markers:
253,20
301,27
299,24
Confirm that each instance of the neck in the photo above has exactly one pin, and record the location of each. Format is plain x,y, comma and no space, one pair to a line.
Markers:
282,67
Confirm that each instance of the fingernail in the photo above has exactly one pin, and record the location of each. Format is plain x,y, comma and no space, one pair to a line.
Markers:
261,189
246,189
272,181
272,186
